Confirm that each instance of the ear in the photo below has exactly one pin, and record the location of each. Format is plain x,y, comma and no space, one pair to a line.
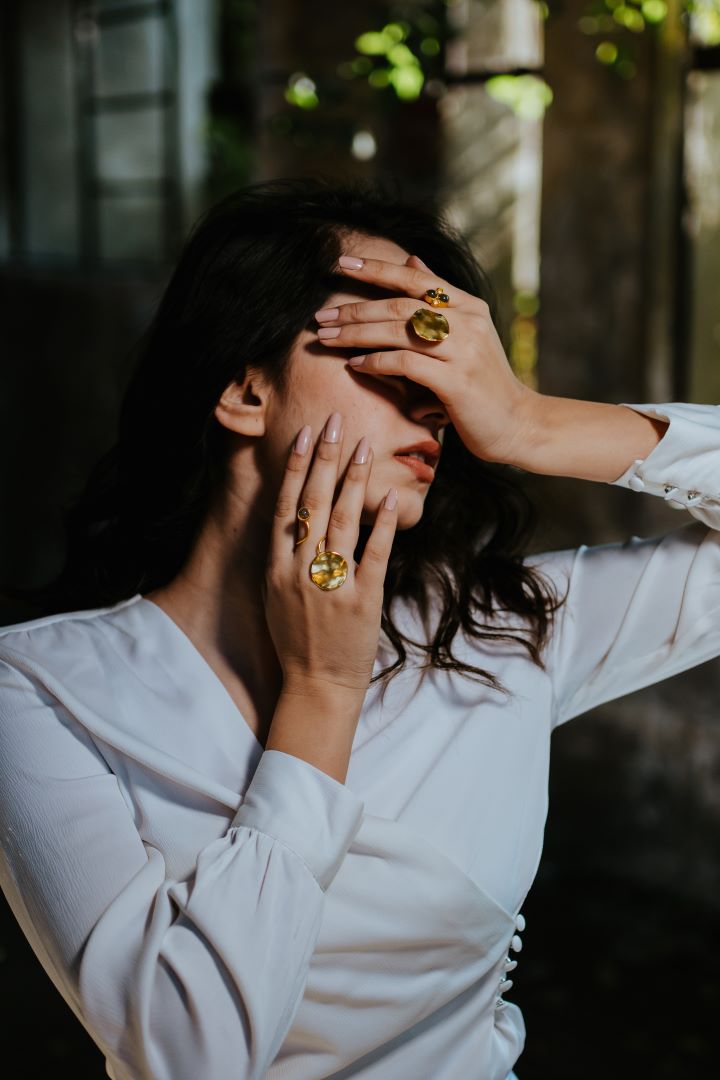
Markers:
241,409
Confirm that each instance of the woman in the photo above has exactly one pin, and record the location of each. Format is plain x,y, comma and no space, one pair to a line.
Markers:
232,854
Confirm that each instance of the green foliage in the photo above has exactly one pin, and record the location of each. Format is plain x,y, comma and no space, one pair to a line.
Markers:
395,63
707,20
301,91
613,20
402,59
527,95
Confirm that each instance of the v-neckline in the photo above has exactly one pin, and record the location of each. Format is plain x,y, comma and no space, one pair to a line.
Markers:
211,674
207,667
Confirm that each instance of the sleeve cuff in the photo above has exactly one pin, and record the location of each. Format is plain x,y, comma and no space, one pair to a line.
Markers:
684,467
300,805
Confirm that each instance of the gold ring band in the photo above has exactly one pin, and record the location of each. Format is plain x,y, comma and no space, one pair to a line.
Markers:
328,569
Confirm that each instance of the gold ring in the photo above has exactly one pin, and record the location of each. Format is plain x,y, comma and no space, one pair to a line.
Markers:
303,516
437,297
329,569
430,325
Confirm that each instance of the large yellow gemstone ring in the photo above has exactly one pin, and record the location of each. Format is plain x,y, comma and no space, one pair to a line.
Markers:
430,325
328,570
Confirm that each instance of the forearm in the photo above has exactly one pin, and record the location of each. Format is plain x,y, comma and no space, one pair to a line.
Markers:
584,439
317,726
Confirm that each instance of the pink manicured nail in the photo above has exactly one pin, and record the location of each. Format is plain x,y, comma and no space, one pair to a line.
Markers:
327,314
363,449
351,262
333,427
328,332
391,499
303,440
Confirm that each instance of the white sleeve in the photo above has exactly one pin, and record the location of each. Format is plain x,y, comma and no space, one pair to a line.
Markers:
173,980
642,610
684,467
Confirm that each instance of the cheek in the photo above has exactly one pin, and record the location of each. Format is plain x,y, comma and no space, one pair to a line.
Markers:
363,413
370,405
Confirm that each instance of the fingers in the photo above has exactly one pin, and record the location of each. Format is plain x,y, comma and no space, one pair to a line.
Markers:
395,277
344,524
372,568
311,482
397,335
308,481
319,488
397,307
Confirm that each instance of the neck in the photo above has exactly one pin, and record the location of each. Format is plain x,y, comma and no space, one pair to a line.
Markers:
216,599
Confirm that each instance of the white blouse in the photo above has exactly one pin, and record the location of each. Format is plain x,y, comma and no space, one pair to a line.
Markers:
209,909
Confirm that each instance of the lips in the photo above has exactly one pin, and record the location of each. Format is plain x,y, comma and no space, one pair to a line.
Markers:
422,471
429,448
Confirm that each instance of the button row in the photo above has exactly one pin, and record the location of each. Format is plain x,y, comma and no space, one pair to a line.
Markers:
674,496
508,964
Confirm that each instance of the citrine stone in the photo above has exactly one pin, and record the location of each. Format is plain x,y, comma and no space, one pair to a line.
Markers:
328,570
430,325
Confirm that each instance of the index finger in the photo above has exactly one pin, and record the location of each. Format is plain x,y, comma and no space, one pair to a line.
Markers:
285,518
397,277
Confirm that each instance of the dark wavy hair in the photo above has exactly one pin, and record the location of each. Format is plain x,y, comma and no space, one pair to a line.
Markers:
253,271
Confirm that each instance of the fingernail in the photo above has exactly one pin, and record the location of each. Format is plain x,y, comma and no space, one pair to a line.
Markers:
356,361
327,314
332,428
363,449
391,499
303,440
328,332
351,262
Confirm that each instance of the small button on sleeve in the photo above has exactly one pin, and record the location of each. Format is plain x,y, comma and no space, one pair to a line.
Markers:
684,466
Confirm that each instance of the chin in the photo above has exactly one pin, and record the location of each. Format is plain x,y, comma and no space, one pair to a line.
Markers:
410,507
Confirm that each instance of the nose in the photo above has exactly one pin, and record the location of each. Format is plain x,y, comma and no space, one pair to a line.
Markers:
427,407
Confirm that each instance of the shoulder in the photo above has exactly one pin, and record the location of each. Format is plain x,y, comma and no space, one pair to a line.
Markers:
58,645
62,619
55,673
556,565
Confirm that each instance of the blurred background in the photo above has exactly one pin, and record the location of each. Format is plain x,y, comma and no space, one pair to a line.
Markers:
577,146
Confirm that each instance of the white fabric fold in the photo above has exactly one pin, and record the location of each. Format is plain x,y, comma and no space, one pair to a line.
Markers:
683,467
210,909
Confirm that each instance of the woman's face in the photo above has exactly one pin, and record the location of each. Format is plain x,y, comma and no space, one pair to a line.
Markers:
393,411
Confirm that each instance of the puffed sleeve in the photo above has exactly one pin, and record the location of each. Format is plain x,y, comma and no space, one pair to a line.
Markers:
641,610
173,979
684,467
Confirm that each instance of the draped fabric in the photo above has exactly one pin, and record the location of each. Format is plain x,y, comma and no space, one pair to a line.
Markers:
210,909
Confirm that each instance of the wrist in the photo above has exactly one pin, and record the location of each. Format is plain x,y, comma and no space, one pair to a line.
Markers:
525,430
317,722
587,440
322,691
